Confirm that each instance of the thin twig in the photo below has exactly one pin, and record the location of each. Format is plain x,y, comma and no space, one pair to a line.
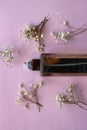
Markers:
81,106
33,101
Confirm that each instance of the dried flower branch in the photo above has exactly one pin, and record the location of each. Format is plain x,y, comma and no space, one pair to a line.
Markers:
29,96
68,33
6,55
70,97
36,32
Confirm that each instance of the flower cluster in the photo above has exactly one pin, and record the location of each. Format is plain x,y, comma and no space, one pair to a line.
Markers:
70,97
6,55
35,32
64,36
29,96
68,33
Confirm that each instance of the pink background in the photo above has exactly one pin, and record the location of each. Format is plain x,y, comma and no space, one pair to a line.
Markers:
14,14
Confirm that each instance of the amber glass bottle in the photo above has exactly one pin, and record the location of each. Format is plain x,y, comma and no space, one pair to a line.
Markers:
60,64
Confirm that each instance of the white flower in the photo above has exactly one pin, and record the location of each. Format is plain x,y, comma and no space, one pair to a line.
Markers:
69,90
65,22
30,96
40,84
57,97
19,101
31,85
21,85
42,35
62,34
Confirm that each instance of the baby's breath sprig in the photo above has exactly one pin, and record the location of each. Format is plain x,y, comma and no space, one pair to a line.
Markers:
36,32
29,96
6,55
70,97
68,33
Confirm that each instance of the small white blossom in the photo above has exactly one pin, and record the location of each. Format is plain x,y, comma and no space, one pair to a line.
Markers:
70,98
35,32
69,33
29,96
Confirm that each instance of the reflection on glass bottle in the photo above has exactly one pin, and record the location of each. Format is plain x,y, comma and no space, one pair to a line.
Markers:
55,64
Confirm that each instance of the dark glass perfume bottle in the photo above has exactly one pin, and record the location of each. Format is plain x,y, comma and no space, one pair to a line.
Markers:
59,64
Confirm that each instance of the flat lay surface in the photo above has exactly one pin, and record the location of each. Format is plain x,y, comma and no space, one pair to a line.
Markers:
14,15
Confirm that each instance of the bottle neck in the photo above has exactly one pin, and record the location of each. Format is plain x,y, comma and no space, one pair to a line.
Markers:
35,64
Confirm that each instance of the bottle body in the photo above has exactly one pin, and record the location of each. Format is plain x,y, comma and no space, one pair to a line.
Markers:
55,64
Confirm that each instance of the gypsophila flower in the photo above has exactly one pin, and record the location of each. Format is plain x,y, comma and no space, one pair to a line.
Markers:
70,97
35,32
40,84
21,85
68,33
6,55
28,96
